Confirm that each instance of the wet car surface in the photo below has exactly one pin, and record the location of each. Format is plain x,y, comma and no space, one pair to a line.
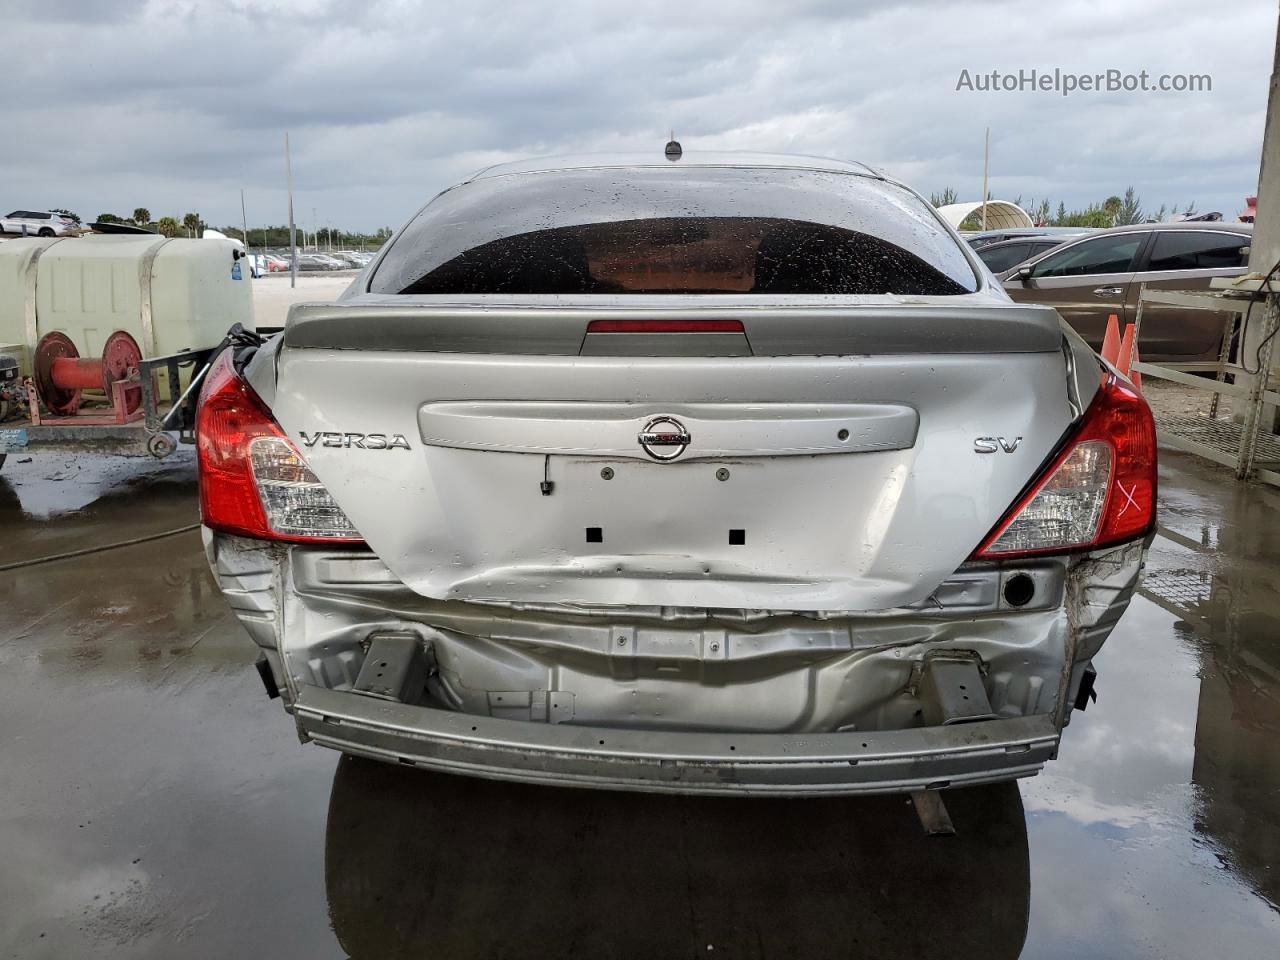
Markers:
154,805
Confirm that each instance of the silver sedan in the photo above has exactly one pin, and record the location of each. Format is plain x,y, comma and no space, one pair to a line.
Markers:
722,474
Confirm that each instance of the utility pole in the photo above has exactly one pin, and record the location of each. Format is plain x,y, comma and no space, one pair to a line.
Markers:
986,156
293,234
1264,247
244,222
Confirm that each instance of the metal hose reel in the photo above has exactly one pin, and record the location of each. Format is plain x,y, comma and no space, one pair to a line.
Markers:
61,375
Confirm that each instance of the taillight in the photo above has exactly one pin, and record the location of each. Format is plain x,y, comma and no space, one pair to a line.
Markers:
253,480
1100,490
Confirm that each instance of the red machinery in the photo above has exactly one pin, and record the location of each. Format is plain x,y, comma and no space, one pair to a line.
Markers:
61,376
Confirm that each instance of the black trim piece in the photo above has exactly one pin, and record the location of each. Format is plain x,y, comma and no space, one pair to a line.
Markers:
1086,693
268,678
1143,257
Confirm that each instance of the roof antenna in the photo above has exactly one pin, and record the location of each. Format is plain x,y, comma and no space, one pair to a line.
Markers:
673,150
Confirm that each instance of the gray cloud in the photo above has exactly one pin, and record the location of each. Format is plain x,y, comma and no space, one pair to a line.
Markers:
176,105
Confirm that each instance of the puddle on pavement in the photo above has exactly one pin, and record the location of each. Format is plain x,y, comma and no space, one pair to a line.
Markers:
660,876
156,803
44,486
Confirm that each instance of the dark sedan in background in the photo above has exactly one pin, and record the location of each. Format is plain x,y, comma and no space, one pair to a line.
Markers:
1009,253
982,238
1087,279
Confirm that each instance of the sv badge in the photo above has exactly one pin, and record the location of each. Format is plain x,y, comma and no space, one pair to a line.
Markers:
995,444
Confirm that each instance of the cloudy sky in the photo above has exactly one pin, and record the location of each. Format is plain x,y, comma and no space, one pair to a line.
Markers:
176,104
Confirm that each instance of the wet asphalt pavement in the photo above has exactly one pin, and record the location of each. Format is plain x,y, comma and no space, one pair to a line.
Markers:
154,803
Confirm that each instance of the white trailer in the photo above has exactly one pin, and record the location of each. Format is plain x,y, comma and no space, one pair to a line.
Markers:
101,338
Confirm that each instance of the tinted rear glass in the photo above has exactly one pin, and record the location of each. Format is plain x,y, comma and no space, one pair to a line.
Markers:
679,230
1000,258
1107,254
1207,250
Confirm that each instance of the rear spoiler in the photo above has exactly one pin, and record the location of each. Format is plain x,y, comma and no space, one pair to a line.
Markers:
560,329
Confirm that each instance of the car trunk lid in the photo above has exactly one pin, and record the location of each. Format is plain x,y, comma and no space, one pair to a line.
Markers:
781,479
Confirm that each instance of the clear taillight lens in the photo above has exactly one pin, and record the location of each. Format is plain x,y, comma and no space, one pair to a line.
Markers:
253,481
1100,490
295,501
1067,508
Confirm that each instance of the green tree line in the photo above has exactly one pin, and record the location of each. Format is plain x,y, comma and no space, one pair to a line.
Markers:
1114,211
193,225
326,237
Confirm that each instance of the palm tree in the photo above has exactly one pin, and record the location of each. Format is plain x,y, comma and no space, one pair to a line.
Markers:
947,196
142,216
192,222
1130,209
168,226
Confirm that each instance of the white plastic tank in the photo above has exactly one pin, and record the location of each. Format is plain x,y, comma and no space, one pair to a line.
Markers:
169,294
15,262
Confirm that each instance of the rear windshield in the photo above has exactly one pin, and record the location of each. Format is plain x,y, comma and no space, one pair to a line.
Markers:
679,230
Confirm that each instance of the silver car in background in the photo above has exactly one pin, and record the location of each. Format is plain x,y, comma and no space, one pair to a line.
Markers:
38,223
351,259
728,474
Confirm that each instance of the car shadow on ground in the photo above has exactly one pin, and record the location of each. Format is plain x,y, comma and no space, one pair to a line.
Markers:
423,864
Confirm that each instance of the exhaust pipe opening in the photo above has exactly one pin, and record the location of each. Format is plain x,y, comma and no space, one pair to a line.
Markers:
1019,590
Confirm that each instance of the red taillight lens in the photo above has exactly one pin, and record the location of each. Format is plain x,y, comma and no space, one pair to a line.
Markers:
1100,490
253,481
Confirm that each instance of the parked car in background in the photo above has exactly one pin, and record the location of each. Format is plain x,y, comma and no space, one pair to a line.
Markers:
1086,280
735,474
980,239
349,257
38,223
1009,253
276,264
320,261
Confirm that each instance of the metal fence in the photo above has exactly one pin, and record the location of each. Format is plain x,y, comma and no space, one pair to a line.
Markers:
1243,440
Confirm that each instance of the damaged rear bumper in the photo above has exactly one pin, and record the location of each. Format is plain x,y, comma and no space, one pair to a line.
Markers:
964,688
777,764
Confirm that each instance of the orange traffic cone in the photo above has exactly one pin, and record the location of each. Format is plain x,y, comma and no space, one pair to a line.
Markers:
1125,358
1134,375
1111,340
